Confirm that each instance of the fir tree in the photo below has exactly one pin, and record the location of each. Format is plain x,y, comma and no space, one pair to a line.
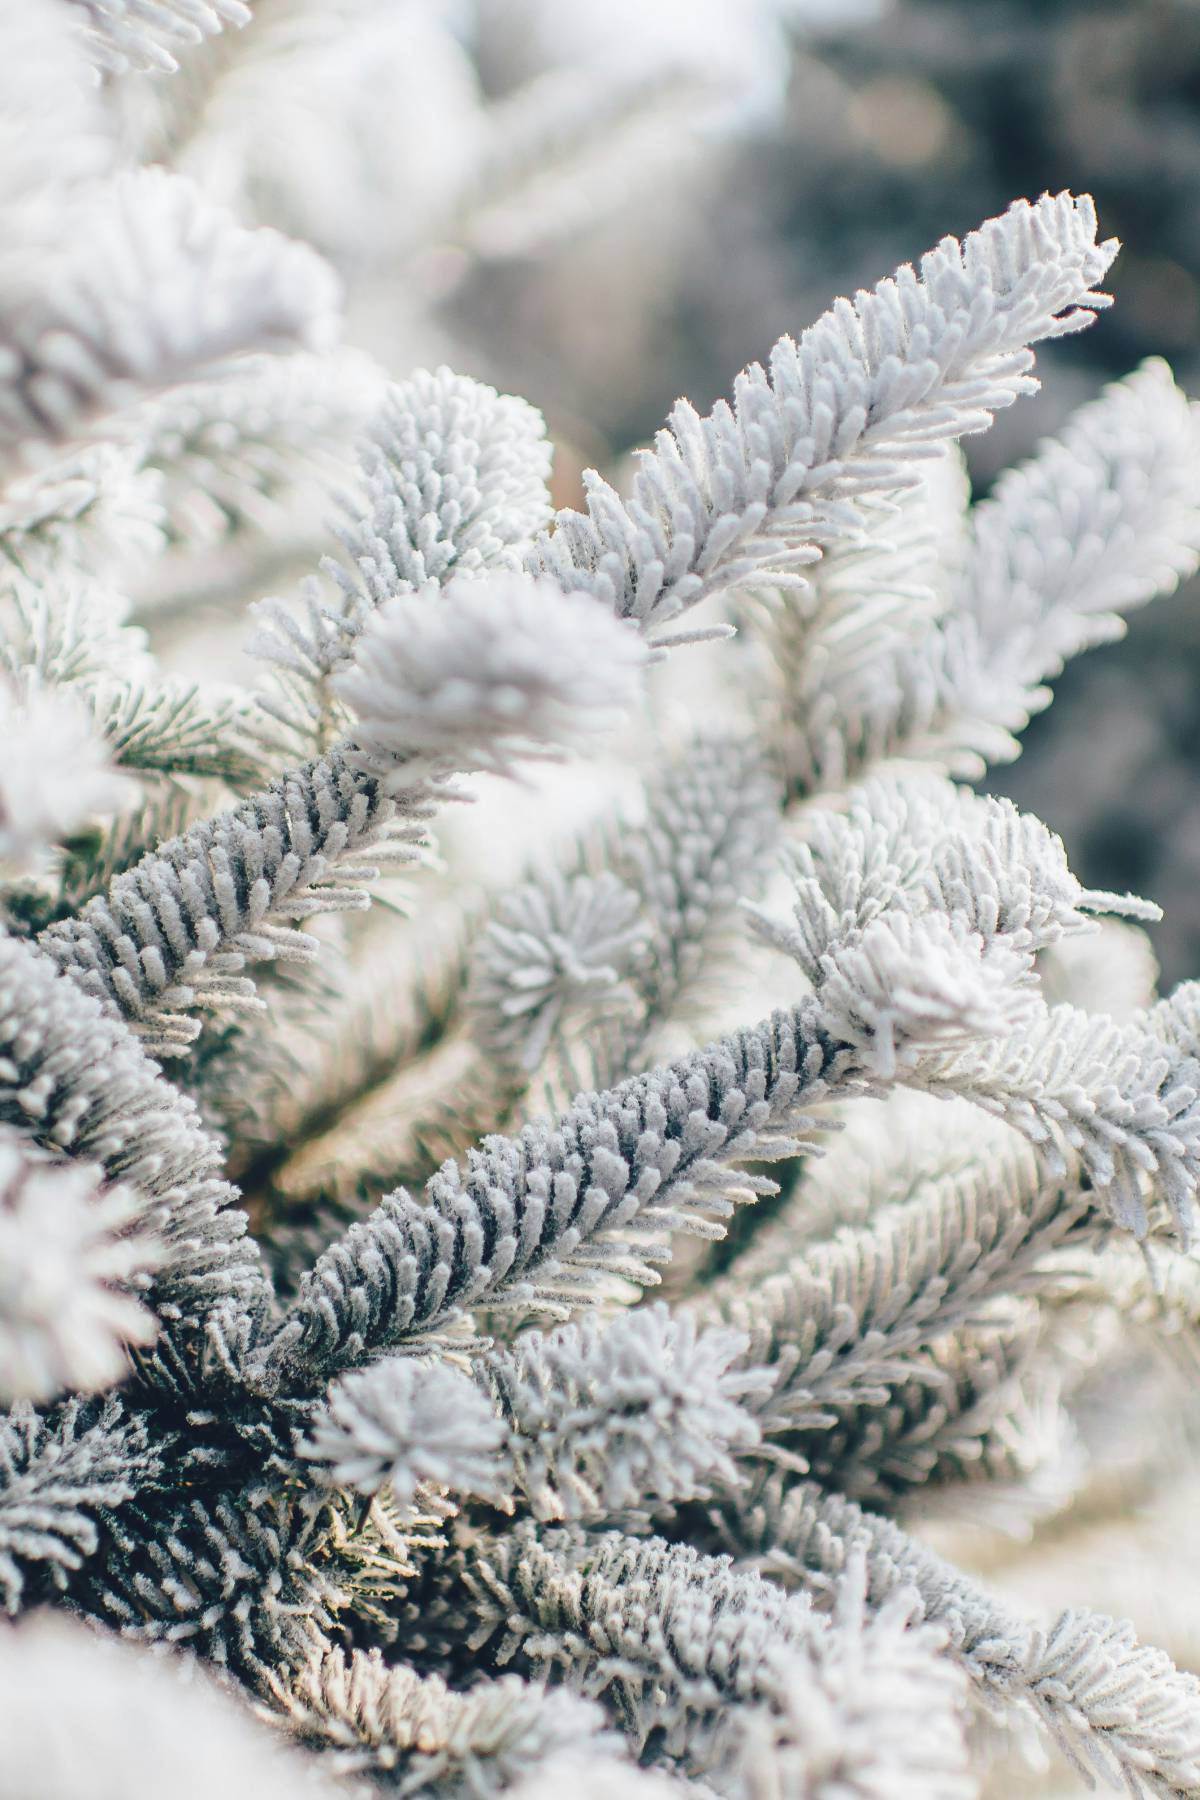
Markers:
393,1455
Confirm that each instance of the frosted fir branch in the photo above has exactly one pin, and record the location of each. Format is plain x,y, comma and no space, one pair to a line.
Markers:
306,651
410,1268
589,961
489,675
156,286
71,634
174,932
374,1548
456,480
539,1219
73,1255
75,1080
1160,1290
906,986
239,1578
896,958
750,494
311,1088
976,1429
404,1092
598,959
1140,1710
154,1725
143,35
605,1416
889,1151
680,1639
1082,1086
873,602
62,1481
896,711
881,1711
247,448
712,819
1175,1020
709,811
404,1728
871,593
553,961
88,865
402,1424
1099,521
718,1671
1007,874
839,1325
69,630
1018,1467
455,484
484,672
1115,1707
933,924
918,846
176,728
91,511
57,772
408,1120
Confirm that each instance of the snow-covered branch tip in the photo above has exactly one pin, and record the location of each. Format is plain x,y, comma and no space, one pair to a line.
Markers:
750,494
74,1254
456,477
918,916
485,672
142,35
402,1423
554,960
1115,1707
153,284
605,1416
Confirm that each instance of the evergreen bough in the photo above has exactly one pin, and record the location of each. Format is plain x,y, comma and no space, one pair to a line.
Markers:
422,1478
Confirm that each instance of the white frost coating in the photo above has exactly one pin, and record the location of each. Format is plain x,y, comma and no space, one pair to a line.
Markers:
893,1328
150,285
456,481
907,985
55,773
610,1414
71,1254
401,1423
554,956
1100,520
876,386
142,34
484,672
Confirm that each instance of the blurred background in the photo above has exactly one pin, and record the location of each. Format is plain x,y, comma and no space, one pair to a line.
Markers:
604,204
